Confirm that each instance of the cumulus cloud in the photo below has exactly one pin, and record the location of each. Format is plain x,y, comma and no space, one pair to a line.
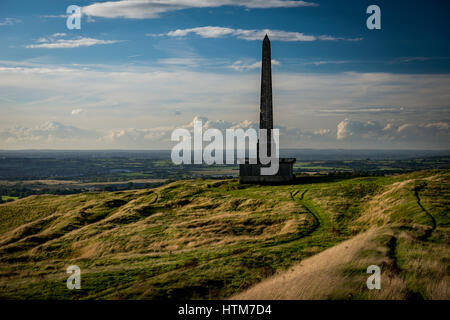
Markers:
146,97
47,135
53,134
223,124
135,138
349,133
429,135
348,128
161,135
251,34
149,9
430,131
322,132
54,42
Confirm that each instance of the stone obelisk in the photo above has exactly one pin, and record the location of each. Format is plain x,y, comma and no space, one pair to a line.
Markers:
250,172
265,111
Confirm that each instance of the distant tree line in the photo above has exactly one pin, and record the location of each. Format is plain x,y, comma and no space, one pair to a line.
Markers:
21,191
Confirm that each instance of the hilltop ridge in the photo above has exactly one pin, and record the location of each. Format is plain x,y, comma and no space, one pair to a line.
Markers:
218,239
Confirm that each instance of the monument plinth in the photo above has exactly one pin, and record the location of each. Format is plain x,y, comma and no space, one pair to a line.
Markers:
249,172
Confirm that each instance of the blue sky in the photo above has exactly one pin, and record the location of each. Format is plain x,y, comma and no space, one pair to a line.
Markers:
137,69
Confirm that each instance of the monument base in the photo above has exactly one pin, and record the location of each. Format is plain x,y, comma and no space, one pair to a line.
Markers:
251,173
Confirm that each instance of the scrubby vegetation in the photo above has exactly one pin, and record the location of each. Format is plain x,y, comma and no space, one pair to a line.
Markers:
212,239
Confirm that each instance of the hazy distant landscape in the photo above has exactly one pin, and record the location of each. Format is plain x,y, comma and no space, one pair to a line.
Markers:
24,173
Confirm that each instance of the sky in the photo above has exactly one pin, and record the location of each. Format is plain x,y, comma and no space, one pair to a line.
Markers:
137,70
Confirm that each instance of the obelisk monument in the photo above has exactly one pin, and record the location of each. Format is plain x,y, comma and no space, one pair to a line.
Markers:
250,172
265,109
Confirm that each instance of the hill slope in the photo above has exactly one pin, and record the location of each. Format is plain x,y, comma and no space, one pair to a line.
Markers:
216,239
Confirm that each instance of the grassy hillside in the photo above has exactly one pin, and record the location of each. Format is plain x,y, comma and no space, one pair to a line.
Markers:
215,239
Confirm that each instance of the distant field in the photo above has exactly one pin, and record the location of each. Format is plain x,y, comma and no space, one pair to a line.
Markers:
77,183
6,198
223,172
21,189
212,239
114,166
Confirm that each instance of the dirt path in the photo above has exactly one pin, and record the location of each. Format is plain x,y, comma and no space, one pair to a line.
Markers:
428,232
316,277
299,200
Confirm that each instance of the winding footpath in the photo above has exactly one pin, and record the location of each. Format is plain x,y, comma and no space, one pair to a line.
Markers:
428,232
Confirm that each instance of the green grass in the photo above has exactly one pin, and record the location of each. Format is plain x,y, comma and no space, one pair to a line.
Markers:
6,198
208,238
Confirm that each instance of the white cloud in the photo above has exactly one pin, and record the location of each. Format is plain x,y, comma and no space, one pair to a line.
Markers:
326,62
420,134
363,110
55,16
76,111
289,136
35,70
243,66
190,62
348,128
53,42
9,22
350,133
119,97
51,134
432,131
322,132
332,38
250,34
205,32
407,60
161,135
148,9
438,125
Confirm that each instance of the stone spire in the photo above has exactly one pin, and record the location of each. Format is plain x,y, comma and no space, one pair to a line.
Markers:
266,113
251,172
